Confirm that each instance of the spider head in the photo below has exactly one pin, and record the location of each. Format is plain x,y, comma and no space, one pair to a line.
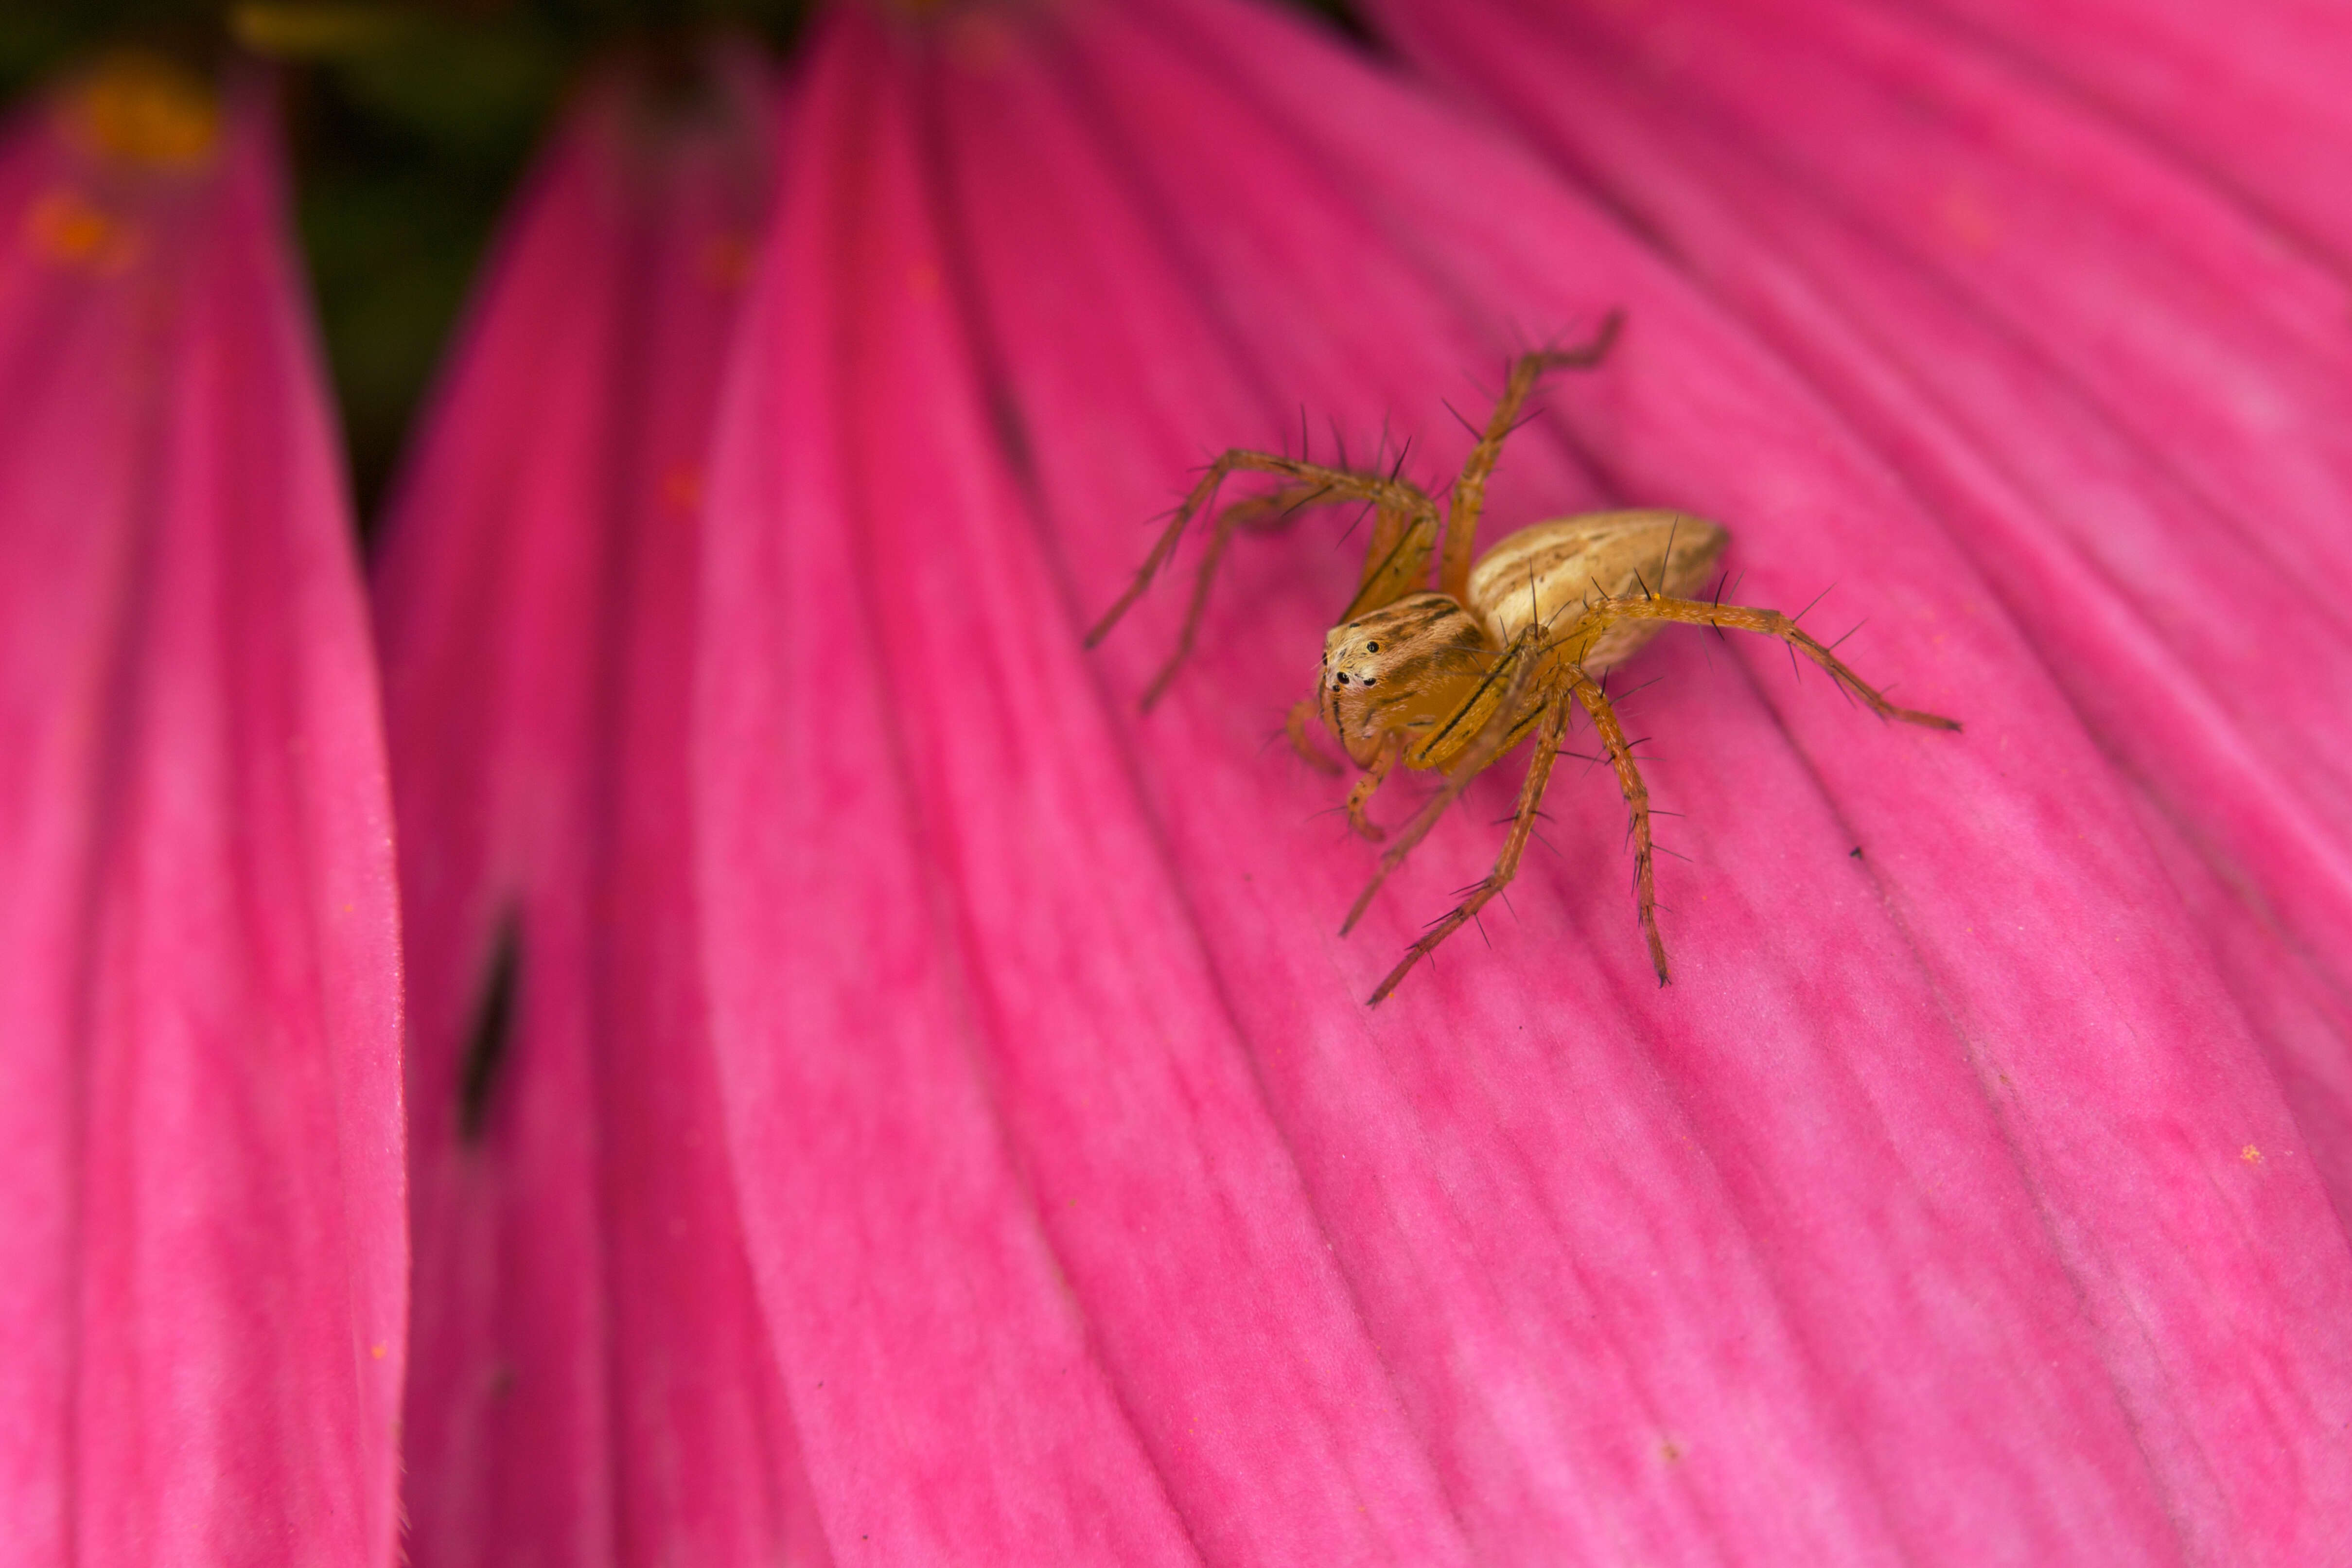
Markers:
1406,666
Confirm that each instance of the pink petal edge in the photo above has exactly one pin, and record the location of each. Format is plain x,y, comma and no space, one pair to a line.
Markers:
1913,1219
591,1378
204,1281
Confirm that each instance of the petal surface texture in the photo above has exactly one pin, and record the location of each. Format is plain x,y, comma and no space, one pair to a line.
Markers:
592,1384
1949,1207
204,1274
1961,292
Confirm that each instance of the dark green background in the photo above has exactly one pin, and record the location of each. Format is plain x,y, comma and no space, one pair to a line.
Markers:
407,137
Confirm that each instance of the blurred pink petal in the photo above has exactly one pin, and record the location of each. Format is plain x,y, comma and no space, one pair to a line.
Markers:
2254,102
1945,1208
2207,656
591,1383
203,1274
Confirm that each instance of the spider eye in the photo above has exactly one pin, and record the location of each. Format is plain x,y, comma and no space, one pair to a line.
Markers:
1371,648
1340,679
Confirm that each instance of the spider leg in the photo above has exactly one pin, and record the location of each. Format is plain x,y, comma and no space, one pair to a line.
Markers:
1599,618
1504,725
1385,759
1312,485
1637,803
1303,715
1259,514
1470,489
1507,865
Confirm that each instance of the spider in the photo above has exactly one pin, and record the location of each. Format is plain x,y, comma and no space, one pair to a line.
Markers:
1509,644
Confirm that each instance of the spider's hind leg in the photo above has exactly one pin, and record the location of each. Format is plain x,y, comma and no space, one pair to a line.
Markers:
1599,618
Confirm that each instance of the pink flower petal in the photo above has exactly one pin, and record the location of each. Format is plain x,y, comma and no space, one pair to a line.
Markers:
590,1382
203,1280
2253,101
938,1336
1914,1220
2206,662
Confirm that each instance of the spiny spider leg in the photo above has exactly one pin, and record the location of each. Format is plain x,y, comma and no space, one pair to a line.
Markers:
1599,618
1507,865
1518,666
1470,489
1253,514
1264,514
1338,484
1637,803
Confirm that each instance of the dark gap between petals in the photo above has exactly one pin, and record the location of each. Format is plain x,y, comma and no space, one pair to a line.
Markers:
490,1044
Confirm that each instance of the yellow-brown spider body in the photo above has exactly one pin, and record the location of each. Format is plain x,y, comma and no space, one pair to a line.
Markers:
1423,666
1451,677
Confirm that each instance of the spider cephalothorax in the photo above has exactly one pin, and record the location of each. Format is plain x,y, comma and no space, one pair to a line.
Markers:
1507,644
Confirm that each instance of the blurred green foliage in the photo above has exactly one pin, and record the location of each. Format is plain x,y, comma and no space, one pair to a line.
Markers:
410,121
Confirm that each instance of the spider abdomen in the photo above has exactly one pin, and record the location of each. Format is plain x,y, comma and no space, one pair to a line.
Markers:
1554,571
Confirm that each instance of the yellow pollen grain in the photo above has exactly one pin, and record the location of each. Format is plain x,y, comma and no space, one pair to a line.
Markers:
2250,1155
377,1351
139,109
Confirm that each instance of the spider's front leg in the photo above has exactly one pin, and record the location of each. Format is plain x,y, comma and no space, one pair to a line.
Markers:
1392,751
1404,545
1470,489
1549,728
1507,694
1304,716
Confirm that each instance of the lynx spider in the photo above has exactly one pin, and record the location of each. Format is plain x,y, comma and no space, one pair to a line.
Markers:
1510,644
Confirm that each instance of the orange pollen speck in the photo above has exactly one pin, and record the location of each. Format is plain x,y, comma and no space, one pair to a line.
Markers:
141,110
69,228
725,261
682,489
